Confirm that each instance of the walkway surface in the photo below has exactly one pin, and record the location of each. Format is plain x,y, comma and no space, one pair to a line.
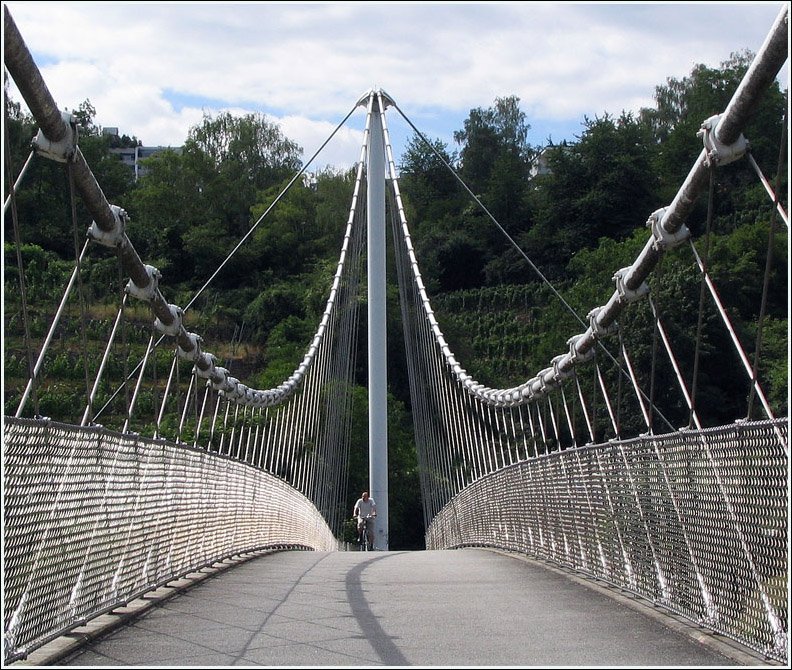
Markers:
445,608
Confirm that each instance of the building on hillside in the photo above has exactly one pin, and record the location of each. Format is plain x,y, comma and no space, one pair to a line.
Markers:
540,165
131,156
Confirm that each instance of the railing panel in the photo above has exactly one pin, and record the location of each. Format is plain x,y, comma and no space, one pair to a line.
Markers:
93,519
694,521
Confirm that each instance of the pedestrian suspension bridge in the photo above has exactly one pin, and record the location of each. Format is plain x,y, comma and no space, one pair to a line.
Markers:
693,518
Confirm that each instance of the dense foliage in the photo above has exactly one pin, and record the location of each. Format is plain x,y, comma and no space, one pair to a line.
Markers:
577,224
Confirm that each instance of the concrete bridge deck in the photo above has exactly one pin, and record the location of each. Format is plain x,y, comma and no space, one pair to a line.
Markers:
449,608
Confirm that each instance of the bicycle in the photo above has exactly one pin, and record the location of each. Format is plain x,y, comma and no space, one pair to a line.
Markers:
366,542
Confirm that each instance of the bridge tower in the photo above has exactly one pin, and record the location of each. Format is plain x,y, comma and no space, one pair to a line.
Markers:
377,338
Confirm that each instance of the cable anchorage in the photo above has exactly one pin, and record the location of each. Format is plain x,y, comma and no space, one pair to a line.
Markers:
626,294
65,149
664,240
597,329
719,153
194,353
175,326
576,356
149,292
112,238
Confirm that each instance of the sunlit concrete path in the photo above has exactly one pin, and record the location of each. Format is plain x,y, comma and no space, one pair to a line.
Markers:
465,607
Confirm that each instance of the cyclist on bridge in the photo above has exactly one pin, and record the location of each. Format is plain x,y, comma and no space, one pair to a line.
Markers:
365,508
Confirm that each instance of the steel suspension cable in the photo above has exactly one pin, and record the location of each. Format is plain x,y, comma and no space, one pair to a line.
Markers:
768,262
80,289
443,457
105,357
655,334
14,187
20,267
188,344
142,368
773,193
124,343
185,407
520,393
409,305
636,387
614,421
589,423
702,293
722,137
570,423
680,379
268,210
735,340
165,394
40,360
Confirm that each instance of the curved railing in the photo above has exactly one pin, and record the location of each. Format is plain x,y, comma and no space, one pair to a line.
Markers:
93,519
694,521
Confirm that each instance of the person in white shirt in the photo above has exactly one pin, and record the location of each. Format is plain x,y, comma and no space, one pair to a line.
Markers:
364,508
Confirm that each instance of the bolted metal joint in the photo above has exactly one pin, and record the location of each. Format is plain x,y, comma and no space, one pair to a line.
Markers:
574,355
219,378
717,152
147,293
176,323
194,354
547,380
561,368
664,240
598,330
62,151
239,393
526,391
115,237
210,360
538,388
627,295
232,389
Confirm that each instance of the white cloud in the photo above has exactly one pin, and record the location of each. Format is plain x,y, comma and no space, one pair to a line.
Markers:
307,63
342,150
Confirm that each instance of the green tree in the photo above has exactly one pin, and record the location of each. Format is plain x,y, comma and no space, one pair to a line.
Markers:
603,186
198,200
495,159
456,241
682,105
84,117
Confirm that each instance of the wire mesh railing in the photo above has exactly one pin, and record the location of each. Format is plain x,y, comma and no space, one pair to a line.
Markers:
694,521
93,519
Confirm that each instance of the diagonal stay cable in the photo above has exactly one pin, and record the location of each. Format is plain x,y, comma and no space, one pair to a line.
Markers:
500,227
723,143
511,240
239,245
469,382
269,209
15,186
57,139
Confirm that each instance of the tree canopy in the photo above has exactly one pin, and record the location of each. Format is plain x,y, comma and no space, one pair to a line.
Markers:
578,224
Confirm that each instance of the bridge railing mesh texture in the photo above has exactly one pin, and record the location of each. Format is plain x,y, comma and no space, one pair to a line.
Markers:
694,521
93,519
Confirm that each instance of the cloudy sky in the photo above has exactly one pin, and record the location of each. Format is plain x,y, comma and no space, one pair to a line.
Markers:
153,69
